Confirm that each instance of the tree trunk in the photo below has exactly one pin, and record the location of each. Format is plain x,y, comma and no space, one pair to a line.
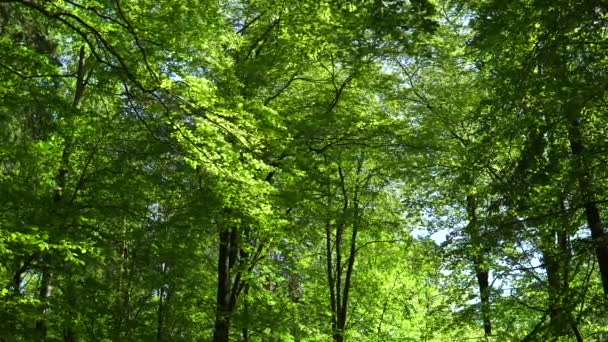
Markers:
599,238
592,213
20,269
245,336
557,256
554,280
222,316
17,282
244,255
482,272
43,296
338,332
69,335
577,334
233,260
245,330
340,282
159,328
330,276
483,282
122,302
566,257
350,268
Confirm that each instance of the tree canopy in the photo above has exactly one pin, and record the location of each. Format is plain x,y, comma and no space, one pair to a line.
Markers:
295,170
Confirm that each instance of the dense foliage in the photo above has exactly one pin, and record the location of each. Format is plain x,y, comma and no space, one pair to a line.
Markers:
263,170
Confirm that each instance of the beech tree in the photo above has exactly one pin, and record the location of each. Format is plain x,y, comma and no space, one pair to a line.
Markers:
302,170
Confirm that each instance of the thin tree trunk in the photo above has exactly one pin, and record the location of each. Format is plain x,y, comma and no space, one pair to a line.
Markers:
599,238
233,260
483,282
566,253
58,199
122,302
557,255
245,330
341,290
69,334
222,316
350,268
592,212
338,332
331,277
554,280
159,328
21,268
43,295
577,333
17,282
482,272
244,287
341,322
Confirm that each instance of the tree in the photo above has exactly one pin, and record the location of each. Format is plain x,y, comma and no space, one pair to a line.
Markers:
286,170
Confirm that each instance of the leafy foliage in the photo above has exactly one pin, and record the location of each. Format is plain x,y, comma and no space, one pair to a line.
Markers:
302,170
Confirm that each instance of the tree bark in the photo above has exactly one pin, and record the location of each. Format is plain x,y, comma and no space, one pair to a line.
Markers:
233,260
330,276
483,275
554,280
577,333
336,292
160,326
245,330
43,295
350,268
20,269
482,272
557,255
338,332
17,281
586,183
230,284
222,317
69,335
599,238
340,282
